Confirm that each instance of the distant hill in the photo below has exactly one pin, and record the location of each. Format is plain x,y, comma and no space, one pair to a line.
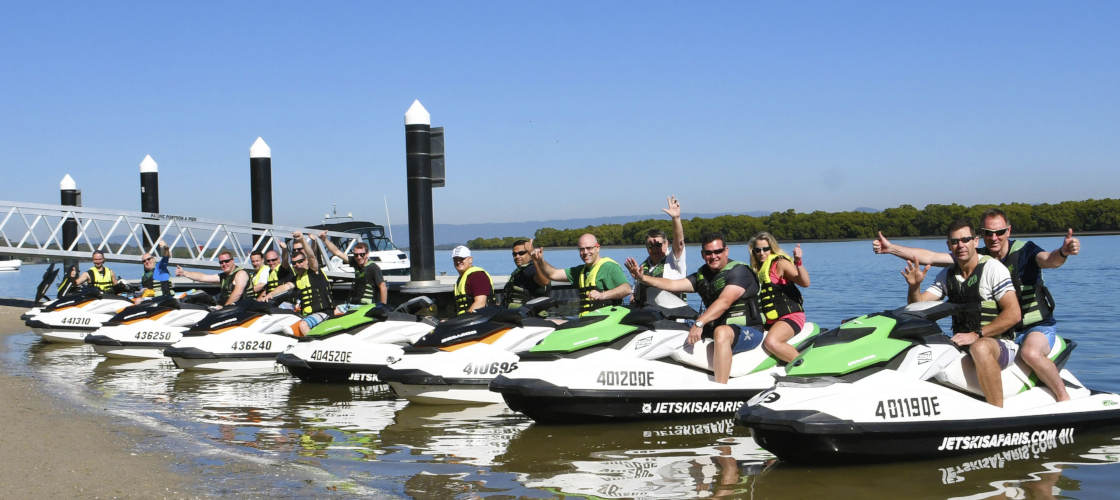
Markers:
454,234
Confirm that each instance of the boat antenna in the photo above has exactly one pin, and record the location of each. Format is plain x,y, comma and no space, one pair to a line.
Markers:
388,225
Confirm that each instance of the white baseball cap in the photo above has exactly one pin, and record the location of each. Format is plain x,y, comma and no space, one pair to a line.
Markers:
460,251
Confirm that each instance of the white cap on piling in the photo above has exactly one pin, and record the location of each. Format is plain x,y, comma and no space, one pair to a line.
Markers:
148,165
417,115
67,184
259,149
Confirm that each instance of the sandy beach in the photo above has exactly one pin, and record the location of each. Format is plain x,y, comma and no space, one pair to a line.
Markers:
52,449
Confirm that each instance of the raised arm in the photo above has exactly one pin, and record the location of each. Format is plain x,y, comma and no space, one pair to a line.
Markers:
308,252
914,275
546,274
794,271
674,211
331,246
1053,259
883,246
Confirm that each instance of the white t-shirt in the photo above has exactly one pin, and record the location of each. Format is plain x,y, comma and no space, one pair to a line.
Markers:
995,281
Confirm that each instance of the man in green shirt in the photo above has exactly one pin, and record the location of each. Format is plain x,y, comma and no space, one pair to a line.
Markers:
600,280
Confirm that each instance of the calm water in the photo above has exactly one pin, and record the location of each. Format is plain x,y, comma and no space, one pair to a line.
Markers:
305,439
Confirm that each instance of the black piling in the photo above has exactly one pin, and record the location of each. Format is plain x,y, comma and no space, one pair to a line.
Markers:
149,196
260,183
70,196
421,232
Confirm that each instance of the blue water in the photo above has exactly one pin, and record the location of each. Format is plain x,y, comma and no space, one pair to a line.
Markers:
360,440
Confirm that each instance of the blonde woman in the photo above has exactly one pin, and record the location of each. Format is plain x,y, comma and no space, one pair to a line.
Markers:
778,298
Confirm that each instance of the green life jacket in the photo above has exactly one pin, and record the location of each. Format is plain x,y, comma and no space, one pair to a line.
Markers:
587,283
640,288
515,295
314,293
147,280
225,285
462,300
1035,300
102,281
776,300
744,312
968,292
362,292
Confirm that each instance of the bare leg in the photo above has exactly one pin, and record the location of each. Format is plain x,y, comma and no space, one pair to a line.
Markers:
1034,351
721,352
985,355
776,341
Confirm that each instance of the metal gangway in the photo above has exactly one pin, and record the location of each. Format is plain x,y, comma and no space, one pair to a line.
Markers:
37,230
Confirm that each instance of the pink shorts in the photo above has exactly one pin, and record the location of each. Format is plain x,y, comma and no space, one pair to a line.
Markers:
794,320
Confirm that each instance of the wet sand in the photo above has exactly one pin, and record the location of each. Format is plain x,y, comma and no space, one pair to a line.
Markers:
49,448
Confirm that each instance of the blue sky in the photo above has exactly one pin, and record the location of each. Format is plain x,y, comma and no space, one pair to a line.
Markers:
563,110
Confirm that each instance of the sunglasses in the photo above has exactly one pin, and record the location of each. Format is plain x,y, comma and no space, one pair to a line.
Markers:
294,261
655,244
149,259
708,253
963,239
225,261
996,232
760,249
362,254
518,254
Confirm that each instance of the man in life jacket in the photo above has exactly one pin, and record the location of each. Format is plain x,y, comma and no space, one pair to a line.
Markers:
474,288
661,262
1025,260
601,280
315,303
729,290
278,273
156,280
980,280
99,275
369,286
522,285
259,272
233,281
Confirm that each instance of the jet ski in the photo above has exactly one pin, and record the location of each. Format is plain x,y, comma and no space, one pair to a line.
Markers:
617,363
72,317
145,329
891,386
359,343
244,336
456,362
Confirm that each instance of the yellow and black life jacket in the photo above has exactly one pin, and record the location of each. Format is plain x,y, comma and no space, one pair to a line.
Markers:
462,300
587,284
314,293
102,281
776,300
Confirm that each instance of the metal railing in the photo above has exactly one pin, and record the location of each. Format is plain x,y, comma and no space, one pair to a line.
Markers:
30,229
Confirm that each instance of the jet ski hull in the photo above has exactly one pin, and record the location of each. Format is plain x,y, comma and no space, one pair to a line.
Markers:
237,349
346,356
127,342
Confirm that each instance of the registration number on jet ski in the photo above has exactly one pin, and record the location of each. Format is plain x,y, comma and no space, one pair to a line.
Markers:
331,356
74,321
153,335
925,406
625,378
252,345
494,368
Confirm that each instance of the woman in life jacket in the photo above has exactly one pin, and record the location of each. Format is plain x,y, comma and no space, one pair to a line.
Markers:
778,297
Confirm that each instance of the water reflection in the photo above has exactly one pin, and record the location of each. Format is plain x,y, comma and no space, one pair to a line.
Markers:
363,434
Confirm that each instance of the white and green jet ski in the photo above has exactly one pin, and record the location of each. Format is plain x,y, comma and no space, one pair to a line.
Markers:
455,363
632,364
357,344
891,386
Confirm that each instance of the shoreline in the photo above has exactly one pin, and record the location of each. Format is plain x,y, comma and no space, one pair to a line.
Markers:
53,448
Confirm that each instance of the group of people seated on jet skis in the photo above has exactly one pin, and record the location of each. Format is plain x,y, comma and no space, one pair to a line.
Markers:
1004,278
154,282
741,301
